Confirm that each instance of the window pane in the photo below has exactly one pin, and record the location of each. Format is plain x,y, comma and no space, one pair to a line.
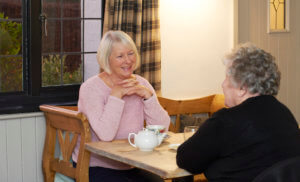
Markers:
72,35
51,70
11,8
51,41
92,35
91,66
280,17
71,8
51,8
10,36
92,9
54,74
11,77
277,14
11,62
72,72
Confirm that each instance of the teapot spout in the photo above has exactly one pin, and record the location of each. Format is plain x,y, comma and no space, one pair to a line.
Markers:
161,137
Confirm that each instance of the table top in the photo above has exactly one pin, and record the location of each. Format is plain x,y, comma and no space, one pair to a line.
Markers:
161,161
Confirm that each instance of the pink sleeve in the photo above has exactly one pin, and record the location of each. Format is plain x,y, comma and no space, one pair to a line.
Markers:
103,111
154,113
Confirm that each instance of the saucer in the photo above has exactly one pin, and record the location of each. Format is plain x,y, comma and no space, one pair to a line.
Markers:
174,146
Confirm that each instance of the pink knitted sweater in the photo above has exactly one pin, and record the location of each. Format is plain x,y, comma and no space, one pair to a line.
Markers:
112,118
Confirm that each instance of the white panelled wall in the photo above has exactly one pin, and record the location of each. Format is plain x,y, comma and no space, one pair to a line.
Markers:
21,147
252,26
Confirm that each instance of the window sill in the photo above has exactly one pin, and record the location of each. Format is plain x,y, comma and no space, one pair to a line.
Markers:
18,103
20,115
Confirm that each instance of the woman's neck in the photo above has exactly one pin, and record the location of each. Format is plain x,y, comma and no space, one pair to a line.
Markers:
247,96
114,79
110,79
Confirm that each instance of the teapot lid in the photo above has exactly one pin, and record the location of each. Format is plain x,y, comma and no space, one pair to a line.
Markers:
145,130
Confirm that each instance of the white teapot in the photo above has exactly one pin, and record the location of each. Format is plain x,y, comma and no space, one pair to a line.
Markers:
146,140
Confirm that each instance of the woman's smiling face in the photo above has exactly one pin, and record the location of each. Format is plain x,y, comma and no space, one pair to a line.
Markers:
122,61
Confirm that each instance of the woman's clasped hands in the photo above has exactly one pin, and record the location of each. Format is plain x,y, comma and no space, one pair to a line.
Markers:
130,86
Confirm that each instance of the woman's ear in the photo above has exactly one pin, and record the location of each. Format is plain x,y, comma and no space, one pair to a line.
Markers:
243,91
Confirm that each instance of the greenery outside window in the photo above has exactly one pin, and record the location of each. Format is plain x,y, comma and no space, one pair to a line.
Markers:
11,56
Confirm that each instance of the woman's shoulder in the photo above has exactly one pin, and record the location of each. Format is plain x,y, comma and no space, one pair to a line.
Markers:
227,115
92,82
221,112
219,115
142,80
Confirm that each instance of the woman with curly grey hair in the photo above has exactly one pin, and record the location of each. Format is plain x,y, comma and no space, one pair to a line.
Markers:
255,131
252,70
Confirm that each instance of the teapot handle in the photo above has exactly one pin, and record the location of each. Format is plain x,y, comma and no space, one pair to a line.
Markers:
129,137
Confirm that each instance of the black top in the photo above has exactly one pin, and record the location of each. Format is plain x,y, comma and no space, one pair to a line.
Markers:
238,143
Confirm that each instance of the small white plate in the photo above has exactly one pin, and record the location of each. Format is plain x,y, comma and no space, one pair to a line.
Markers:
174,146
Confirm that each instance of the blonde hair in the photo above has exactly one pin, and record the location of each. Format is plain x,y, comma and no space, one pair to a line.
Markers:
106,46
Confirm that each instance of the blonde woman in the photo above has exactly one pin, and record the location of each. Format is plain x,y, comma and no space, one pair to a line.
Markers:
116,103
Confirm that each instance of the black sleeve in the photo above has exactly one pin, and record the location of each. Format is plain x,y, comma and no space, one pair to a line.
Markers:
199,151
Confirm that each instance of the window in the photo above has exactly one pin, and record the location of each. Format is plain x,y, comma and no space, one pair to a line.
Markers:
278,19
45,57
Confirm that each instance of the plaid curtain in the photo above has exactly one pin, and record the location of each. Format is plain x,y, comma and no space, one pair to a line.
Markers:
139,19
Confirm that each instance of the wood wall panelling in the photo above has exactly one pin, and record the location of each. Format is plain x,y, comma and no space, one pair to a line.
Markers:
28,150
295,24
284,46
3,153
14,150
41,132
21,149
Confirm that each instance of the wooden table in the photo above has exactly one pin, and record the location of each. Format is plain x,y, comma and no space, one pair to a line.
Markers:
161,161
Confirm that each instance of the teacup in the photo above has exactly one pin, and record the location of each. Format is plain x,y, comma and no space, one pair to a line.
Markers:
158,129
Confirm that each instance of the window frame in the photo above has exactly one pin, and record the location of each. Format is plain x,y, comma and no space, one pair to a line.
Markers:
33,93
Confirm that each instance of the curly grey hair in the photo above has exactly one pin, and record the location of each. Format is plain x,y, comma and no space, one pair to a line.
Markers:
252,67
